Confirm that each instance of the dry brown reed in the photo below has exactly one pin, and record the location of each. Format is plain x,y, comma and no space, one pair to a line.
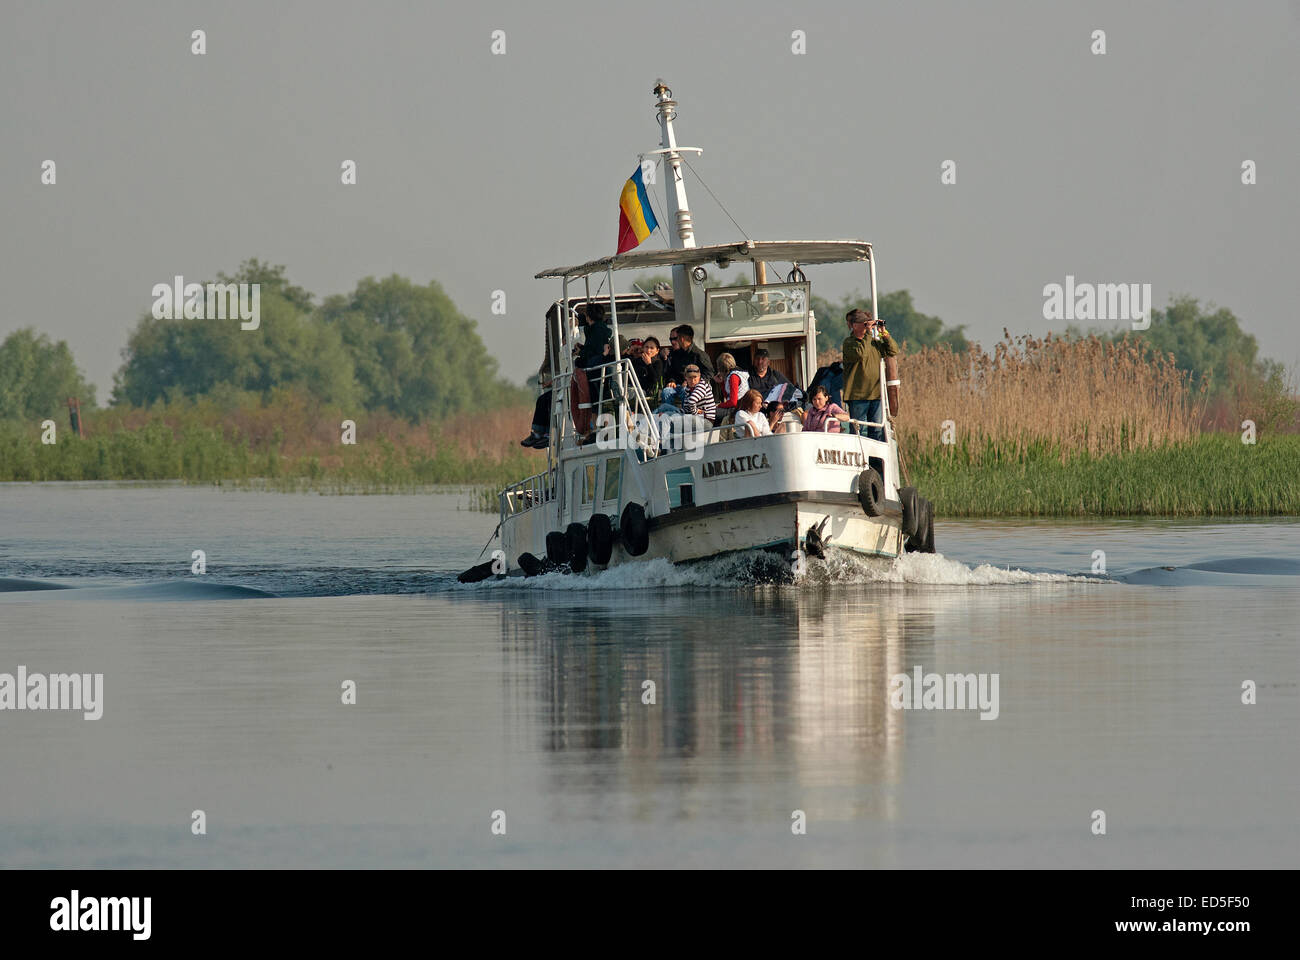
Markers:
1074,395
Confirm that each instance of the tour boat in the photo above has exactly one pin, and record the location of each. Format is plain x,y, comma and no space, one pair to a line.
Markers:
632,485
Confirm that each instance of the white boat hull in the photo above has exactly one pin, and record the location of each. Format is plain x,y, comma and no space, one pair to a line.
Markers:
750,494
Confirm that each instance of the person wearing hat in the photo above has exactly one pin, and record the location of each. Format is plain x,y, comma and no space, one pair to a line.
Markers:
867,343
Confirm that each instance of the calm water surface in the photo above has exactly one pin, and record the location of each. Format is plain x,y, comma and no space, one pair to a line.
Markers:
1119,693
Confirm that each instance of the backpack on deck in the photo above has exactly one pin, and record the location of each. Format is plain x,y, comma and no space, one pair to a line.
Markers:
832,378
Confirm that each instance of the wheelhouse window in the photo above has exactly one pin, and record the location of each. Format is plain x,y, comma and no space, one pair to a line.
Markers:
589,483
756,312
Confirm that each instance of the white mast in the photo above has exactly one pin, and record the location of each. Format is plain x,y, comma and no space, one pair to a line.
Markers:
683,237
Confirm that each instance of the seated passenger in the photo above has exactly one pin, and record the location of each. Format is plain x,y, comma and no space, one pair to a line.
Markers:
750,420
732,384
765,376
649,367
540,436
686,352
822,415
699,402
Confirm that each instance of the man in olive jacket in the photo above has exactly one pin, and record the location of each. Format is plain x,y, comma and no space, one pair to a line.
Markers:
867,343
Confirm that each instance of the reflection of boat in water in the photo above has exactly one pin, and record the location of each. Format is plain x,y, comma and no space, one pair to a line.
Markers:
812,704
627,482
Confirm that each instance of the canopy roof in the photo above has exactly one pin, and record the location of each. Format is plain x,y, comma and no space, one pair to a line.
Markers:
796,251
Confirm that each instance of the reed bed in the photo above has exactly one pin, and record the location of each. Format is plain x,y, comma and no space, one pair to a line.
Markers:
1038,427
1210,475
1032,395
287,441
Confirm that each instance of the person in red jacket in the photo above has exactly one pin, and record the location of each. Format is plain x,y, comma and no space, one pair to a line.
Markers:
732,385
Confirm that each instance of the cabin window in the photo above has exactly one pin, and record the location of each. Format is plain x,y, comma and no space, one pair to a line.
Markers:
675,478
589,483
756,312
613,475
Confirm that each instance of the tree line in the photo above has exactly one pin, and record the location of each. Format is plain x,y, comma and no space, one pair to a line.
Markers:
396,346
390,345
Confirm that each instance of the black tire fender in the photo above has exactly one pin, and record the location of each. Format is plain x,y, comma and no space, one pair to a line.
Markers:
871,492
557,547
909,498
916,542
634,529
575,538
600,539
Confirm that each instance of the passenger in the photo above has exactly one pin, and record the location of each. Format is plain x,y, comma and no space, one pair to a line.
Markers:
597,337
765,376
687,353
672,389
732,384
750,419
867,343
539,434
541,429
649,367
699,402
823,415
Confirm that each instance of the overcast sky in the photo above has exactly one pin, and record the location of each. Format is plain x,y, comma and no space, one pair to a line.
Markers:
479,170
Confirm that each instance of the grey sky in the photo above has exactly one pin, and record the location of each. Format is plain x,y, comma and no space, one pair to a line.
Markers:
478,170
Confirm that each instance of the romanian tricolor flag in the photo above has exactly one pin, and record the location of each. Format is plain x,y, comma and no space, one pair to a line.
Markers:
636,220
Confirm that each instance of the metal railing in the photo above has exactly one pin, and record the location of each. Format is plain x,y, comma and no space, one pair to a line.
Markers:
527,494
615,389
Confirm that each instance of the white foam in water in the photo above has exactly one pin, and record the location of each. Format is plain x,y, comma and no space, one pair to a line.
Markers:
747,569
935,568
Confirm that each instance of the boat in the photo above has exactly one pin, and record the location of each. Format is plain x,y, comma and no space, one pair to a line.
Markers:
626,483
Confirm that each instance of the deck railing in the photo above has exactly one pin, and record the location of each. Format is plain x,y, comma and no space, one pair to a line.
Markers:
527,494
615,390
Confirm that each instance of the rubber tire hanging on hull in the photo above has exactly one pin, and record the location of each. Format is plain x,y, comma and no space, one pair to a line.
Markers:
600,538
634,529
916,542
927,544
871,492
557,548
575,538
909,498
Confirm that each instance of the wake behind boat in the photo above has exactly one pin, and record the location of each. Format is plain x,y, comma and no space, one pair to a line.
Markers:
630,478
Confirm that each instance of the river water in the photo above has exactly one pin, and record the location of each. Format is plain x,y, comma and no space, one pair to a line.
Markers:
523,705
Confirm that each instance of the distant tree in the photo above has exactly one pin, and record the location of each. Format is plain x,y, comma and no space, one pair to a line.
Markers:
414,353
1206,344
905,323
272,280
37,376
166,359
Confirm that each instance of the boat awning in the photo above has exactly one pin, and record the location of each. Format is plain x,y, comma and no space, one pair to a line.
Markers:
724,254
